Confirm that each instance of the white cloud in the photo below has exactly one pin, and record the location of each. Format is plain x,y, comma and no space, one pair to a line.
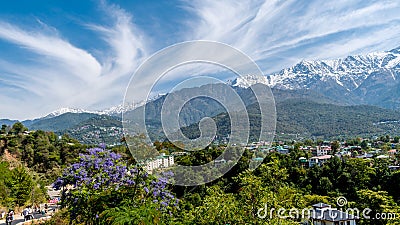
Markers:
126,40
64,75
54,48
267,29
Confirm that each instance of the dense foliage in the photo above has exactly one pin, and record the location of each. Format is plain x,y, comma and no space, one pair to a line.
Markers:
30,160
19,186
240,197
43,152
102,188
106,187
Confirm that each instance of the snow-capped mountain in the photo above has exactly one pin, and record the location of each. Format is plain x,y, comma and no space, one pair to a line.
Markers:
112,111
349,72
66,110
372,78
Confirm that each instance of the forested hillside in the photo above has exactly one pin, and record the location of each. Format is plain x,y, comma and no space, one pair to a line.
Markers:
30,160
297,119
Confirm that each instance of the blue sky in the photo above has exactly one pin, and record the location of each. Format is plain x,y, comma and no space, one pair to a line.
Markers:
81,54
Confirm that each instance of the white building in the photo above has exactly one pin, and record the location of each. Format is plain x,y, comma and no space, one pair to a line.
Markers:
322,150
318,160
162,161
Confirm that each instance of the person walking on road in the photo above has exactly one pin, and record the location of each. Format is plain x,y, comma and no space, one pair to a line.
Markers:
27,213
10,217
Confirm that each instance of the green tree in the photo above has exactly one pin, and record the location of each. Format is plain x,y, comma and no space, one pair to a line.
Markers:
378,202
17,128
21,184
325,186
3,129
335,146
364,144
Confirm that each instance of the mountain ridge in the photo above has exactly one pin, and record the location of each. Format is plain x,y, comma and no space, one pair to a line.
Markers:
355,79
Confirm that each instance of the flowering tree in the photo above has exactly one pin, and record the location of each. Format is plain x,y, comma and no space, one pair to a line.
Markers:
102,188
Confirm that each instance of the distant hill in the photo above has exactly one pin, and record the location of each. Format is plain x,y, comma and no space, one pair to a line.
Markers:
310,119
7,122
88,128
96,130
61,122
198,108
298,119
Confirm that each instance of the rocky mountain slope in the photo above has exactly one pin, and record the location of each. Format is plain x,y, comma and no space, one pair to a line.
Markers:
372,79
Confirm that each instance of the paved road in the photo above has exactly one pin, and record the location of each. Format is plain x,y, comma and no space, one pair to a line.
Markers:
19,218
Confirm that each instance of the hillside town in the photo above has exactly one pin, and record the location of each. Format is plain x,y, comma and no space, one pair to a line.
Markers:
385,148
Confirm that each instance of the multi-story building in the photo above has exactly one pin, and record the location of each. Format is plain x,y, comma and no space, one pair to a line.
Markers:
322,150
161,161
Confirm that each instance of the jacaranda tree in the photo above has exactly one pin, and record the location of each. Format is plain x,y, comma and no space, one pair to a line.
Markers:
102,188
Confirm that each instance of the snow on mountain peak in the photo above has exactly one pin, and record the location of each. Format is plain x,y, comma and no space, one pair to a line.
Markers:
348,72
112,111
249,80
115,110
65,110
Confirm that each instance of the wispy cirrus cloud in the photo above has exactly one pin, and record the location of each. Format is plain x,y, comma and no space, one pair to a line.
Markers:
52,47
288,31
62,74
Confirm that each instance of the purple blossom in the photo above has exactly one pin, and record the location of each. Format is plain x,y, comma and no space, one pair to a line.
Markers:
96,186
165,204
155,193
130,182
101,169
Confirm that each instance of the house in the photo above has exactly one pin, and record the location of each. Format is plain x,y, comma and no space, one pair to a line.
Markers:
282,150
392,152
303,162
323,214
382,157
322,150
376,151
318,160
365,156
179,153
264,148
344,153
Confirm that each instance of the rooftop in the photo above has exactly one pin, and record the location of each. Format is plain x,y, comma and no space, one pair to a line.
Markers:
322,157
